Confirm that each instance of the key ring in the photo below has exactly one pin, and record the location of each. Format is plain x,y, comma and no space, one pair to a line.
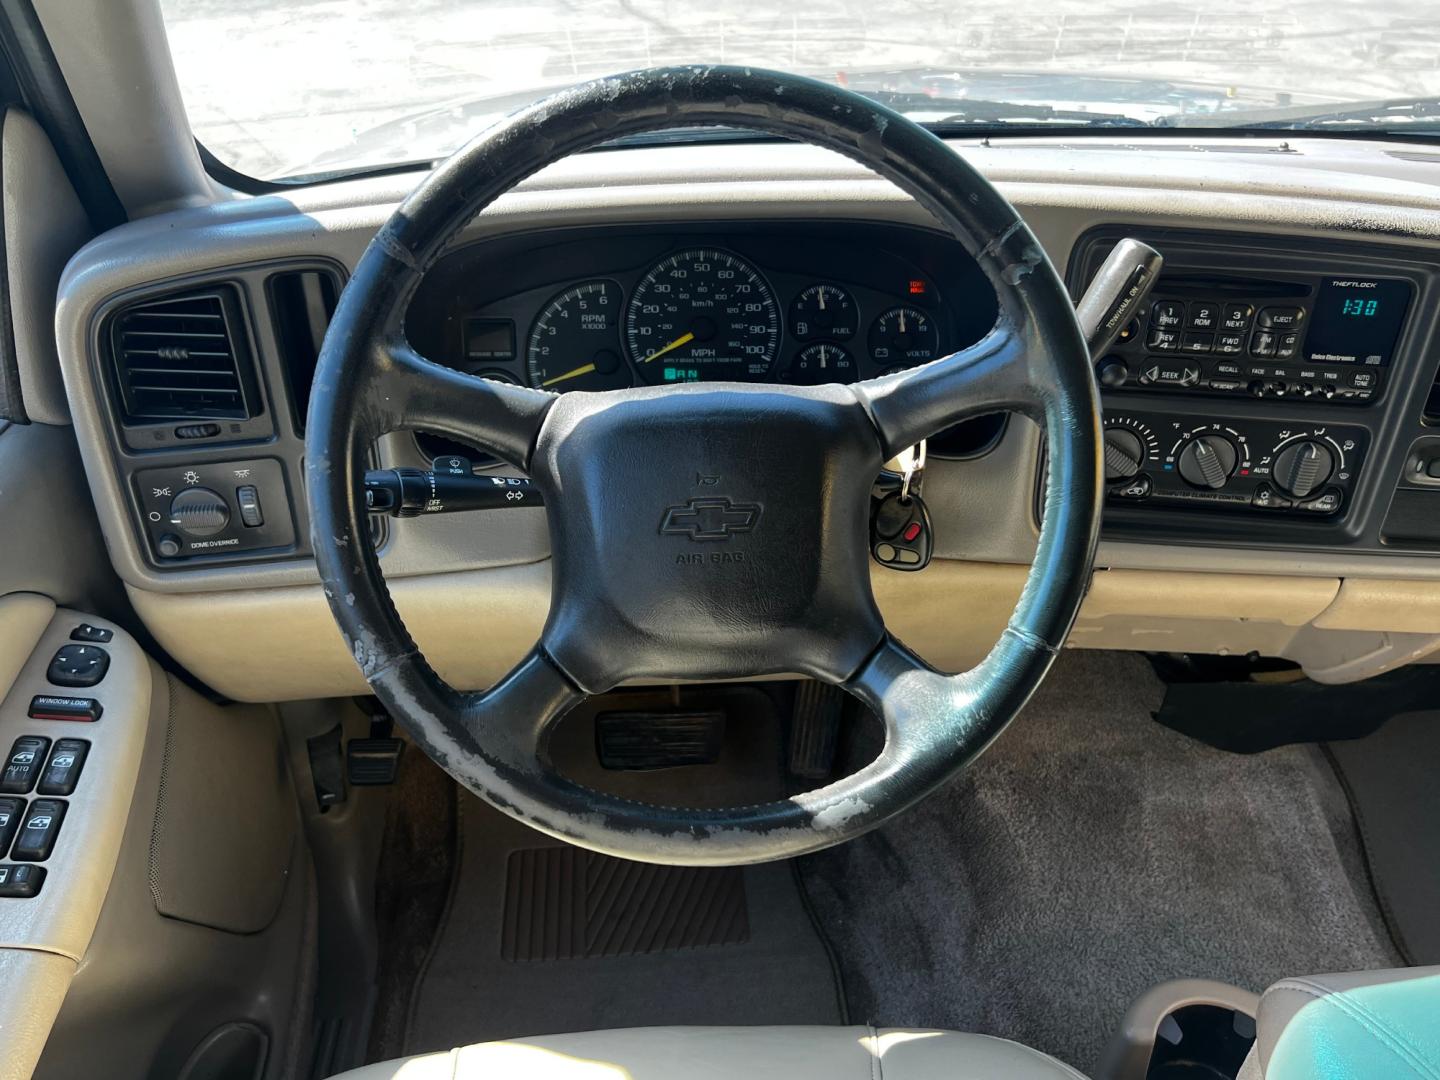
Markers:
912,464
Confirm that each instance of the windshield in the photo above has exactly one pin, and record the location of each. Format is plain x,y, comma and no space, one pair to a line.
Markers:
281,88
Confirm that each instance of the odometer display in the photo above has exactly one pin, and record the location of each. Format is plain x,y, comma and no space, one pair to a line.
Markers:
703,315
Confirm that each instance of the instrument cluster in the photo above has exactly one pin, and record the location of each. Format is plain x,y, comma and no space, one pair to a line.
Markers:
604,309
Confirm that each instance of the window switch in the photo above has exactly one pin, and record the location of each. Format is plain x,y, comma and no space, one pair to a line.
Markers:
62,772
21,882
96,635
11,811
38,830
22,767
78,665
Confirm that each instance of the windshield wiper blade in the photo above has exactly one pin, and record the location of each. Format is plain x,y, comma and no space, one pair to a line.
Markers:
1349,115
981,112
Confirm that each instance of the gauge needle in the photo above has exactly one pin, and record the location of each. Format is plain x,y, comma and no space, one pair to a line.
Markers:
570,375
682,340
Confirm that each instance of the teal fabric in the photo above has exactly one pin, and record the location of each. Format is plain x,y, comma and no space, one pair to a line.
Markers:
1385,1031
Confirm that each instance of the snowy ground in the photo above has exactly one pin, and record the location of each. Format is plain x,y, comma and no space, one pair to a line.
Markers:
273,85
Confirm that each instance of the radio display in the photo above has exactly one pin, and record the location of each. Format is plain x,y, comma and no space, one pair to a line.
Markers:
1357,321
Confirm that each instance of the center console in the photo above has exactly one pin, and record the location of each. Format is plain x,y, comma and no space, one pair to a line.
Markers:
1270,394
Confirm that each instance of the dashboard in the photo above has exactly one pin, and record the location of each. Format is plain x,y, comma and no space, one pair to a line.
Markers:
1272,418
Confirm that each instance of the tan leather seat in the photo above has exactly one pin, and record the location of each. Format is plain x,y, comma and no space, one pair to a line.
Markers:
741,1053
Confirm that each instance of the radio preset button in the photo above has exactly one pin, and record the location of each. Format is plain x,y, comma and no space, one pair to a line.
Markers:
1197,343
1236,317
1203,315
1164,340
1167,315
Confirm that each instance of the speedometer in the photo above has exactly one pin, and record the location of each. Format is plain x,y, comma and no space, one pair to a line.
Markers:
703,315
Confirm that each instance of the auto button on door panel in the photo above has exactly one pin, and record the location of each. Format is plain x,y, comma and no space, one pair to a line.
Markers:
22,768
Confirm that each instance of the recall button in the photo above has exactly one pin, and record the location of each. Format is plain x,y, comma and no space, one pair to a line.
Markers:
51,707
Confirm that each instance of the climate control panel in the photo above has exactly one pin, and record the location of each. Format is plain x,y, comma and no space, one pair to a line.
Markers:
1270,466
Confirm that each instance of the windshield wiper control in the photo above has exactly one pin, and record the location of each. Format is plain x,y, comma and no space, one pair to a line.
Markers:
1116,292
448,487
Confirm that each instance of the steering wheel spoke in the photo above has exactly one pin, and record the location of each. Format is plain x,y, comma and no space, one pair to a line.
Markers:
992,375
416,393
511,719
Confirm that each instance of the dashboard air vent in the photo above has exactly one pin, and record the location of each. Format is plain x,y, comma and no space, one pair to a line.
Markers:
183,356
302,302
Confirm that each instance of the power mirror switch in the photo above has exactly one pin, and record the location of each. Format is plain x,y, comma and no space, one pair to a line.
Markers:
10,813
38,831
21,882
96,635
78,665
22,767
54,707
62,772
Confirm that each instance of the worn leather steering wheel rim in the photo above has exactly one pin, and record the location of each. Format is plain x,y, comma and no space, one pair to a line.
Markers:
629,600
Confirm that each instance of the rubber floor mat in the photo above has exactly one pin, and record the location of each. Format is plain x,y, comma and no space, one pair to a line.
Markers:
562,903
645,945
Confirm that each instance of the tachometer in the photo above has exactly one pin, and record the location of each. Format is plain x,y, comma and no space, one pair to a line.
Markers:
703,315
575,343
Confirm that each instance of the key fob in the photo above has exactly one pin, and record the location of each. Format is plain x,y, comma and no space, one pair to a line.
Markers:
900,533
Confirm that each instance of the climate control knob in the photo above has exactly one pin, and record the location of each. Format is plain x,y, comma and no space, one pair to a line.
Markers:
198,511
1207,461
1301,468
1124,454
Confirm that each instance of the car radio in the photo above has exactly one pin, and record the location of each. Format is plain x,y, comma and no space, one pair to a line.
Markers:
1329,338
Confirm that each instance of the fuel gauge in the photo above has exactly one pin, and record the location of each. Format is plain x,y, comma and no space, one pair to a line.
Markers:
824,311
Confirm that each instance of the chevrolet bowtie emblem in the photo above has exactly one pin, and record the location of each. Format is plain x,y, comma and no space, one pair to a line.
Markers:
709,519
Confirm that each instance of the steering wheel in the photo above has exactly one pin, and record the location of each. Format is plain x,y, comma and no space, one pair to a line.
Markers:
631,600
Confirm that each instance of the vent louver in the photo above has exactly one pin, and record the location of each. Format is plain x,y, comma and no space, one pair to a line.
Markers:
183,356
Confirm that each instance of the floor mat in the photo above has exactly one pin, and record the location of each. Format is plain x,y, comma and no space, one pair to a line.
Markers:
1390,777
540,938
1089,854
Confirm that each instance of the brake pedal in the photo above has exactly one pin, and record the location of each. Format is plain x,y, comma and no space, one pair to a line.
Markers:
815,729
